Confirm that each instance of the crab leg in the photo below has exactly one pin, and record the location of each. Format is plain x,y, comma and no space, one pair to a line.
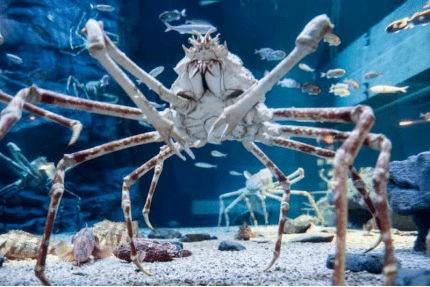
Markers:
131,179
306,43
222,205
262,197
251,212
13,112
285,203
244,192
102,48
68,161
345,155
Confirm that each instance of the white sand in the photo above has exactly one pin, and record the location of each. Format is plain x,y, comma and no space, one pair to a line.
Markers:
299,263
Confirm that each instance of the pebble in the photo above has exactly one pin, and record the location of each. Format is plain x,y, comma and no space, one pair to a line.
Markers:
227,245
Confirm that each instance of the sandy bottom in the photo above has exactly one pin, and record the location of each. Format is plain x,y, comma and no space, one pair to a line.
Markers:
298,264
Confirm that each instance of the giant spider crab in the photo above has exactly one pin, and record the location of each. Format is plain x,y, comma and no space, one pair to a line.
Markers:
214,99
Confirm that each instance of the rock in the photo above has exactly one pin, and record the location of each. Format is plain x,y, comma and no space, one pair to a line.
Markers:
314,238
164,234
356,262
413,277
195,237
227,245
213,237
409,192
299,225
244,233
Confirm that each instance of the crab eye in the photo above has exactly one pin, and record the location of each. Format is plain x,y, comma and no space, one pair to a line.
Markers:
235,94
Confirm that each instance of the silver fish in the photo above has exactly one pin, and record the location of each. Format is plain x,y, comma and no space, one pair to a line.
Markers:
191,28
205,165
102,7
338,86
208,2
172,15
156,71
216,153
235,173
289,83
335,73
1,39
306,68
14,58
353,85
157,105
387,89
276,55
372,75
263,52
341,92
426,115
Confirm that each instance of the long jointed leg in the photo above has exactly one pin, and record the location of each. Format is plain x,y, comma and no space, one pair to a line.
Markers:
102,49
157,172
13,112
251,212
243,192
344,158
129,180
222,205
285,204
57,189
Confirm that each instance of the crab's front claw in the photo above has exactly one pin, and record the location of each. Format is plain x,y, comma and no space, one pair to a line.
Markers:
167,133
227,121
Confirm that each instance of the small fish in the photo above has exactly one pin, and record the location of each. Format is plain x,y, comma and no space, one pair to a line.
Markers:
398,25
372,75
338,86
387,89
191,28
49,169
426,115
104,81
102,7
311,89
145,124
216,153
14,58
157,105
420,18
205,165
1,39
306,68
341,92
335,73
331,39
320,162
174,15
263,52
276,55
156,71
427,5
289,83
208,2
235,173
353,85
50,17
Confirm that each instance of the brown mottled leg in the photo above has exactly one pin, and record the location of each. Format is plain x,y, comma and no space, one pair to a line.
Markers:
344,158
12,113
131,179
157,172
285,204
57,189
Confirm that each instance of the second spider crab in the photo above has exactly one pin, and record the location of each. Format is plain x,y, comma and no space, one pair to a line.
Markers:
214,99
261,185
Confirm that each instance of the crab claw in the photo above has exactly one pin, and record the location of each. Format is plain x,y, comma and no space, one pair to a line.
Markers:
228,120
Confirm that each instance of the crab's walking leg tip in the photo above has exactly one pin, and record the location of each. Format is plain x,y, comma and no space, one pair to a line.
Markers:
76,131
176,150
146,217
